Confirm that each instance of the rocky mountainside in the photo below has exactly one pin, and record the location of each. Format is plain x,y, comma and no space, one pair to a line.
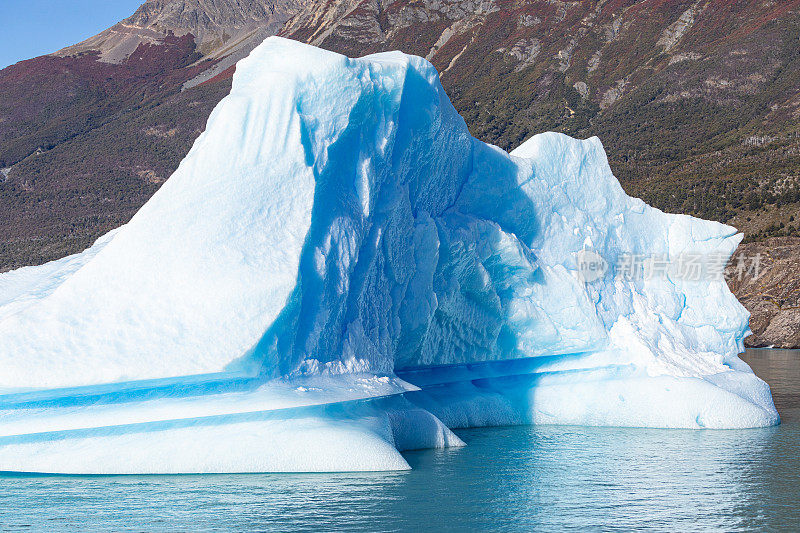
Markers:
770,289
218,26
696,101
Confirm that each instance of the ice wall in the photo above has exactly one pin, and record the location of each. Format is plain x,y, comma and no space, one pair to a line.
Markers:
336,221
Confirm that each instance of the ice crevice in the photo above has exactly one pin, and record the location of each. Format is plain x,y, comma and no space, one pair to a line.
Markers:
338,271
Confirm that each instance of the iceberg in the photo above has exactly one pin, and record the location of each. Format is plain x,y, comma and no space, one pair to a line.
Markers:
338,271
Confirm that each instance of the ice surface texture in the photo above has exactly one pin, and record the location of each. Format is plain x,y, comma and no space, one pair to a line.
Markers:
337,223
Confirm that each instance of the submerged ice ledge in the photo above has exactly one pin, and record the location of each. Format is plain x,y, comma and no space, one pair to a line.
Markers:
217,424
338,271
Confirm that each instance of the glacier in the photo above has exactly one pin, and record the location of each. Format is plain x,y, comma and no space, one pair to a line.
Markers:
338,272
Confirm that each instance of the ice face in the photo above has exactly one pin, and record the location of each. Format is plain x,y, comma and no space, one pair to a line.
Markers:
336,221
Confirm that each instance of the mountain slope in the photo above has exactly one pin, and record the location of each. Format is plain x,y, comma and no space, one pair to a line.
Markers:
691,97
217,26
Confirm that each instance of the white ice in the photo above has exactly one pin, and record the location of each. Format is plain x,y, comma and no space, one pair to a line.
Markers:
334,241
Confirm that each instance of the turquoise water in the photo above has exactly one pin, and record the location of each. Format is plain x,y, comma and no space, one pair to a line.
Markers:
511,478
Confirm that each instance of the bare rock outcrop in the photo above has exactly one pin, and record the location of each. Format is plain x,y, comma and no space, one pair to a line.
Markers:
765,276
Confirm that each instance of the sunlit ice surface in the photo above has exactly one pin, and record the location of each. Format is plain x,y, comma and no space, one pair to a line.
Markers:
339,272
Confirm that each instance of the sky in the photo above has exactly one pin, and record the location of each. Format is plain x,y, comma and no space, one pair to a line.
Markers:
30,28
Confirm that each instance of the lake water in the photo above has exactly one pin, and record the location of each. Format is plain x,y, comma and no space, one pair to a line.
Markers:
510,479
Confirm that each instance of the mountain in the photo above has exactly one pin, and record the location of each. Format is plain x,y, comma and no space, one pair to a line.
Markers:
218,27
770,289
90,132
695,100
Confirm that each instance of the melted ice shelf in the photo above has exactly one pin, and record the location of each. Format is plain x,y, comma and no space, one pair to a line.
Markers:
338,271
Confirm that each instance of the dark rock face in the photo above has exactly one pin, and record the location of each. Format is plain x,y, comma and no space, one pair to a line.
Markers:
771,292
696,102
